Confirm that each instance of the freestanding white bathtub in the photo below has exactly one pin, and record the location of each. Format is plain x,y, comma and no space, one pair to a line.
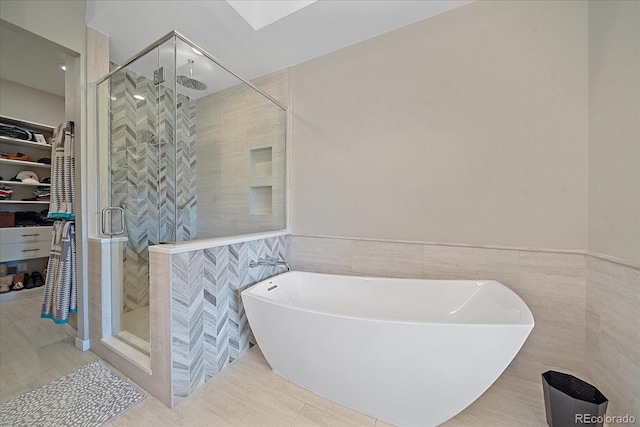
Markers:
410,352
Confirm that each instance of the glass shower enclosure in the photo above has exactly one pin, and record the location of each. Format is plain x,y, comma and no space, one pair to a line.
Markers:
187,150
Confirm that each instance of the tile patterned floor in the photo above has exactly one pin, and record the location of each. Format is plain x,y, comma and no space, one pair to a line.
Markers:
34,352
249,393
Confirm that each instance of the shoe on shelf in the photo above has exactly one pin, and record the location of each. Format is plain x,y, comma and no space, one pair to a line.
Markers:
28,281
16,156
38,280
18,281
5,283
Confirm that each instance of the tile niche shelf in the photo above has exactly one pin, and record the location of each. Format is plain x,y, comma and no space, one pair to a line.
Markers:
261,194
261,200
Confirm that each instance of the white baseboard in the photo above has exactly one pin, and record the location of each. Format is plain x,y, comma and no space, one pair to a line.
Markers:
82,345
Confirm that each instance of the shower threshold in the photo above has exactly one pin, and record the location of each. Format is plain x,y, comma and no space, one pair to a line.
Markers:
134,341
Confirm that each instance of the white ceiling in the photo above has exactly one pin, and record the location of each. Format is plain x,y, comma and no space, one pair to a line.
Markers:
31,60
319,28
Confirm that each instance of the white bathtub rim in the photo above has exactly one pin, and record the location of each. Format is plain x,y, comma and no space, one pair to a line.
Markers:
527,325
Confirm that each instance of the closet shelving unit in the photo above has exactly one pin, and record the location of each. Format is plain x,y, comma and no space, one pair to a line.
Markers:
19,244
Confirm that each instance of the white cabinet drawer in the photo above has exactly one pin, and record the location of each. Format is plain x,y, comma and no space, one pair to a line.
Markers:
25,234
18,251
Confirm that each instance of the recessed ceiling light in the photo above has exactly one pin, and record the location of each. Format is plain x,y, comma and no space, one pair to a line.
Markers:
62,67
140,97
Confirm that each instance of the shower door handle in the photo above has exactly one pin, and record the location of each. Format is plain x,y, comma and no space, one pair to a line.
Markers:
104,220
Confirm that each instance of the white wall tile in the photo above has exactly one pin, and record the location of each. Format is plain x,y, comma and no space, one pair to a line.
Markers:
386,259
453,262
613,333
321,255
553,286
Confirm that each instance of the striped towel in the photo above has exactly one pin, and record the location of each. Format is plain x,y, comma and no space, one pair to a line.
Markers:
63,170
60,298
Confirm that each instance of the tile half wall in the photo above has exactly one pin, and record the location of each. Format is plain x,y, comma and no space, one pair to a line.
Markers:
209,328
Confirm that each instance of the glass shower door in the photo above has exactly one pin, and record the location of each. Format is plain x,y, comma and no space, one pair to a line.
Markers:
135,217
193,152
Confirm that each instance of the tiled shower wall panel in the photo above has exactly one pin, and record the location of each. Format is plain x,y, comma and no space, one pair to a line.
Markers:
239,120
142,174
209,327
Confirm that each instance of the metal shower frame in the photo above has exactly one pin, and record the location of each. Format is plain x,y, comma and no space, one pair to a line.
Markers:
204,53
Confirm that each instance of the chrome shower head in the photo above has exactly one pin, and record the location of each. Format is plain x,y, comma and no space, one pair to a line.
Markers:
189,82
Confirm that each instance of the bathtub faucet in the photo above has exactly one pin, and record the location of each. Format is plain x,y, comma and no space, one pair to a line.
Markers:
270,262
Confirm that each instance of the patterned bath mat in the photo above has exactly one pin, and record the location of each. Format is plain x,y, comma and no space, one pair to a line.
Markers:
91,396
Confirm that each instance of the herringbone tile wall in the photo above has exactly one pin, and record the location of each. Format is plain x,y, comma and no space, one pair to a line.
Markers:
150,175
208,323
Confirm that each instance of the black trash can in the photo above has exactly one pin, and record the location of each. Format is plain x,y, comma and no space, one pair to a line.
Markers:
569,401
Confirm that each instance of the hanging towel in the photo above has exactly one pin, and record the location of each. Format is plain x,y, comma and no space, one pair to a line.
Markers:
63,170
60,298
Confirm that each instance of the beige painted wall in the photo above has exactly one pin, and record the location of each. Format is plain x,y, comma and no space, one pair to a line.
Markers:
614,129
26,103
468,127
